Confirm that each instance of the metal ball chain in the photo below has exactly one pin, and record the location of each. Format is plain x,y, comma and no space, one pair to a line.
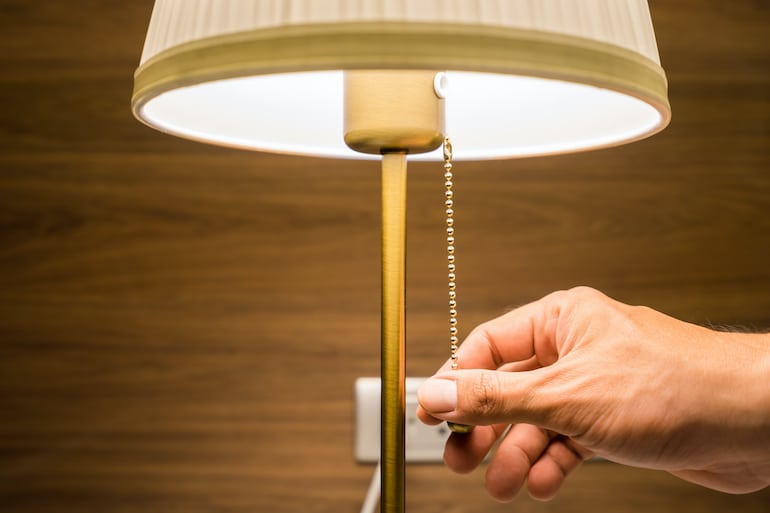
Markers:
451,266
450,240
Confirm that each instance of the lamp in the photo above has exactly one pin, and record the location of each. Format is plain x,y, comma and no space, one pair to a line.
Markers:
358,78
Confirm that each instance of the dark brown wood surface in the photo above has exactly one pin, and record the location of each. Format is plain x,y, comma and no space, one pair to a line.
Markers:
181,325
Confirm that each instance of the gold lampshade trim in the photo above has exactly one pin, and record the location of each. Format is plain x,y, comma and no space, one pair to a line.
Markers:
398,45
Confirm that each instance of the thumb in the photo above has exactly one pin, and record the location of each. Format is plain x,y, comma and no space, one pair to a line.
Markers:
484,397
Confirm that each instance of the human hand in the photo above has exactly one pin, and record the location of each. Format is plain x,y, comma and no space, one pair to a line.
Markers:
577,374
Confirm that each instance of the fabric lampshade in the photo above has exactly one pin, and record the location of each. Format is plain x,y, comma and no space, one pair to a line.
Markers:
525,77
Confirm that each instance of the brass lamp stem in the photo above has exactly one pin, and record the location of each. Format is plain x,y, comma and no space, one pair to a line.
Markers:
393,113
393,320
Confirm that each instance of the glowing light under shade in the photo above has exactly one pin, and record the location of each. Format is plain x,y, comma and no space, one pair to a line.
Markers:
488,115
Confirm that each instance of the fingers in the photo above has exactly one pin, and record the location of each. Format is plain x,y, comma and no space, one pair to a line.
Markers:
517,453
483,397
464,452
527,454
516,370
435,396
519,335
525,365
540,332
552,468
524,346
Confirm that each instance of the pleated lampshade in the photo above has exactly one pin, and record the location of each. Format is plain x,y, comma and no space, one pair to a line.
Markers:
524,77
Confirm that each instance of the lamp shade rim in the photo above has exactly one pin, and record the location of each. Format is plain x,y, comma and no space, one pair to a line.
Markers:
401,45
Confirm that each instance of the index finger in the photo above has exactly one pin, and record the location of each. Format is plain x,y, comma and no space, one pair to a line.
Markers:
526,335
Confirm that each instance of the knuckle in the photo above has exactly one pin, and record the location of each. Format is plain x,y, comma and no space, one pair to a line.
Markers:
483,337
485,398
583,293
578,301
565,300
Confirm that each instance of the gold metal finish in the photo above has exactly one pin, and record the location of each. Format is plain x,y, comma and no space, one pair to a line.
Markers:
393,113
387,110
462,429
393,333
454,341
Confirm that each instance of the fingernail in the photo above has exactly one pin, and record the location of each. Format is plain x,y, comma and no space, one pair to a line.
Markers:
438,395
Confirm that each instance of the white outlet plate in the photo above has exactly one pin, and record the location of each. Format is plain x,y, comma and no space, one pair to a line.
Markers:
424,444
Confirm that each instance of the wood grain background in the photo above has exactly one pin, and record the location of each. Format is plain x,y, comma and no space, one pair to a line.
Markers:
181,325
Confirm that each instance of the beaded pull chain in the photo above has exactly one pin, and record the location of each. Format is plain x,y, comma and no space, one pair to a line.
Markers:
451,267
450,248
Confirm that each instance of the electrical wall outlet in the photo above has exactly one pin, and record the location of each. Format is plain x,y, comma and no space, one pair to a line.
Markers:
424,444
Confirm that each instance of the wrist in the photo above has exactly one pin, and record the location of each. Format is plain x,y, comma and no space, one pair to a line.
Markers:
753,383
733,450
762,378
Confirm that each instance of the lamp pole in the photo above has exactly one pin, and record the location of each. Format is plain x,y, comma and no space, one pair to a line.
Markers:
393,333
393,113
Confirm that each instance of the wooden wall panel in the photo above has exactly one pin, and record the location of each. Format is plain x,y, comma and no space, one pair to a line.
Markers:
181,325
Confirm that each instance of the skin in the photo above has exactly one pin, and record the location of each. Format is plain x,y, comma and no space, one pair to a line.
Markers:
578,374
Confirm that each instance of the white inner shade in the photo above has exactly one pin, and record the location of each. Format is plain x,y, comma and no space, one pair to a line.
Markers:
488,115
